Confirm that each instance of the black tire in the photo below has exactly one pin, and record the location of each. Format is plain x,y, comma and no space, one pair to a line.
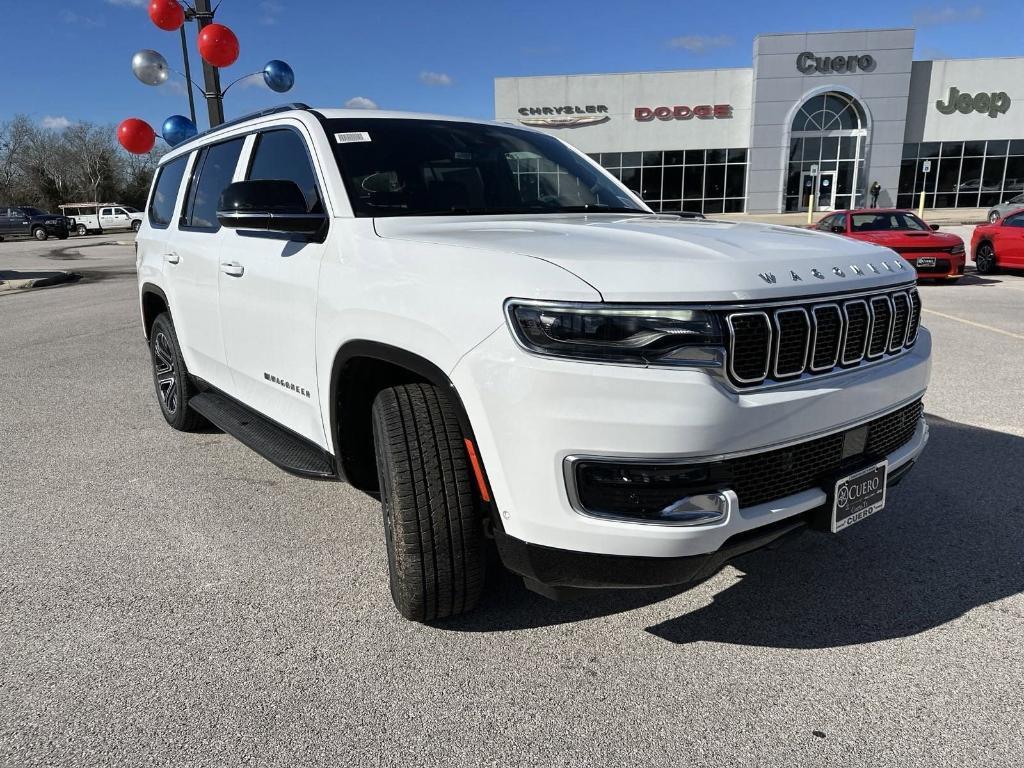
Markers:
985,259
431,519
82,231
136,225
993,217
39,233
171,378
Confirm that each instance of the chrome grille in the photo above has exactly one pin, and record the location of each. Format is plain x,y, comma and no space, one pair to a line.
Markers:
781,343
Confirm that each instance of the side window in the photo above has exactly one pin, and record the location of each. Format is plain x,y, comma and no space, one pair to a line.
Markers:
825,225
214,171
107,212
165,193
1015,221
282,154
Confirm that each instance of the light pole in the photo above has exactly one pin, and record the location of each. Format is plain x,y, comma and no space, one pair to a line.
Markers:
211,74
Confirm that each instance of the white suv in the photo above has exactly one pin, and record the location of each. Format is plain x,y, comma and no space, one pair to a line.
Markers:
481,327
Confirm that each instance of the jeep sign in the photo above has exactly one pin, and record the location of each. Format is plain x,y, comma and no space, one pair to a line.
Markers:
995,103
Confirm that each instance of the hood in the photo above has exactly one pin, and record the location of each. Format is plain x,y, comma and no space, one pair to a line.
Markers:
913,238
666,259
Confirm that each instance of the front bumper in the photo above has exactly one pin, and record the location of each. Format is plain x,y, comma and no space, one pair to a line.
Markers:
946,265
530,413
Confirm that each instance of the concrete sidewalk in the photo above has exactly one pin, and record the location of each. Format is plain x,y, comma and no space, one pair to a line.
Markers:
12,280
936,216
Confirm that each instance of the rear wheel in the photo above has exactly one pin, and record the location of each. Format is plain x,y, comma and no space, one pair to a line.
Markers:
985,259
431,520
993,217
82,231
39,233
174,386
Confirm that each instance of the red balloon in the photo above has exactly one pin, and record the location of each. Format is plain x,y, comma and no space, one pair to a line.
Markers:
137,136
218,45
167,14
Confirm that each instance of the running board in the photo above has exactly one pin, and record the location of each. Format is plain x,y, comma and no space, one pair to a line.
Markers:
273,442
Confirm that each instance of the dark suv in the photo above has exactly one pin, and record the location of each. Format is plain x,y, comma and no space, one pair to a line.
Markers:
26,220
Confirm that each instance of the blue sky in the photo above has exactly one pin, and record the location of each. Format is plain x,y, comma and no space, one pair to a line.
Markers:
68,60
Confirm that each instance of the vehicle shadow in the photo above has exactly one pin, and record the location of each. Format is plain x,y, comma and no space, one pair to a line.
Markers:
951,539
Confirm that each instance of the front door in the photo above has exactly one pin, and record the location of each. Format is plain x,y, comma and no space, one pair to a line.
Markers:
115,218
822,187
1010,241
268,296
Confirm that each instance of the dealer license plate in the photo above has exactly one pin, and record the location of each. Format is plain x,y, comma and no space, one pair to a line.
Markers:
926,261
859,496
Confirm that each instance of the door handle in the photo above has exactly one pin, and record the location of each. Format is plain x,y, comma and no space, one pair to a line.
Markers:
172,258
232,268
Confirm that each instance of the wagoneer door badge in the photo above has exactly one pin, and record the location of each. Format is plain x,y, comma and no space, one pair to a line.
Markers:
286,384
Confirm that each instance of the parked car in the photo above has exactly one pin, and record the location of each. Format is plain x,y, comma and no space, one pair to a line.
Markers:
532,361
101,217
1002,209
1000,244
29,221
935,255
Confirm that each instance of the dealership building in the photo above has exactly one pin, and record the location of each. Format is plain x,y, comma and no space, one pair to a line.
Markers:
820,115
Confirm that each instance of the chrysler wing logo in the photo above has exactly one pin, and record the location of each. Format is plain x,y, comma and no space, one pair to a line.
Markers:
576,121
768,277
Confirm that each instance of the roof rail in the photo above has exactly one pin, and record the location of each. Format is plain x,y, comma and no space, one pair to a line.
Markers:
252,115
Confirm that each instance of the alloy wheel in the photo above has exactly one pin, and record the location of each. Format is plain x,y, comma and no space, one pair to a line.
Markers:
985,260
166,376
993,217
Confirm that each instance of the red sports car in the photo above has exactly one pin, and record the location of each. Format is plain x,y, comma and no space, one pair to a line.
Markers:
935,255
999,244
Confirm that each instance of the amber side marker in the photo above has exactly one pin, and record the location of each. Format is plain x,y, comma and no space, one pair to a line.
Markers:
477,470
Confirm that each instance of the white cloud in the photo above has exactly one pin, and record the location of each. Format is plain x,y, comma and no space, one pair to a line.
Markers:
77,20
947,14
269,11
55,123
361,102
435,78
701,43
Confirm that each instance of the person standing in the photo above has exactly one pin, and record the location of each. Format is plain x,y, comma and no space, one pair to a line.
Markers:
876,189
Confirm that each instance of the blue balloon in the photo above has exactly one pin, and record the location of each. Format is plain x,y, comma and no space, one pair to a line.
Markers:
278,76
178,128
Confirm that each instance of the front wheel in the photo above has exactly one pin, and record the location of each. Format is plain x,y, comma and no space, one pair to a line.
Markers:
174,386
993,217
985,259
136,225
39,234
432,523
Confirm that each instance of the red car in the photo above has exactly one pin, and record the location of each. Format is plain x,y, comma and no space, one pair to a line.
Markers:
935,255
999,244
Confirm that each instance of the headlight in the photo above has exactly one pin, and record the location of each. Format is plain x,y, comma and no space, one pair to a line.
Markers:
618,333
957,249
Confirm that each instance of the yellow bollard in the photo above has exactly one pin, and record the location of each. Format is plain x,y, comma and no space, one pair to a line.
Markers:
810,209
920,208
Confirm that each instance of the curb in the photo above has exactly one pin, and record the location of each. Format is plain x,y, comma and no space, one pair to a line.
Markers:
56,278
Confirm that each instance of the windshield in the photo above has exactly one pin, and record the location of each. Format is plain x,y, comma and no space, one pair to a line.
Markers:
129,209
437,167
886,222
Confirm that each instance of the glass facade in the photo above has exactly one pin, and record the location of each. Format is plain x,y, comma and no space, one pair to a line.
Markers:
697,180
964,174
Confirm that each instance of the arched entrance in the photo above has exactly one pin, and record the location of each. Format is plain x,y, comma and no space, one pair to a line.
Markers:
827,145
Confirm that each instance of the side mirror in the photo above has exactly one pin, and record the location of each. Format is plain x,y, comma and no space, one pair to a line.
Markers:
839,229
935,227
273,205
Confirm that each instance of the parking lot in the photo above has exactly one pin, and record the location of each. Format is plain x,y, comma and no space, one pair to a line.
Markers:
172,598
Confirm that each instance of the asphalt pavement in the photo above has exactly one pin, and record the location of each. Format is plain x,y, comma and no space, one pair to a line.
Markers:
173,599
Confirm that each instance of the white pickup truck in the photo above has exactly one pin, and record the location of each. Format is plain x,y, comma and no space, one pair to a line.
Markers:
485,330
84,218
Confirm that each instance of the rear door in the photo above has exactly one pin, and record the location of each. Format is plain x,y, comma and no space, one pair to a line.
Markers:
268,293
19,223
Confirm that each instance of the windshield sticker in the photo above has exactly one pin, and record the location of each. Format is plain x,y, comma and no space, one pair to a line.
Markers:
349,138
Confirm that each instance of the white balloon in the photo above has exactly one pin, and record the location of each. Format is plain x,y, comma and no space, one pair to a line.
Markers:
150,67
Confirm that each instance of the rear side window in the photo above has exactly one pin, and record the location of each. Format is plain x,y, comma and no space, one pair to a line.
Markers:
165,193
282,154
214,171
